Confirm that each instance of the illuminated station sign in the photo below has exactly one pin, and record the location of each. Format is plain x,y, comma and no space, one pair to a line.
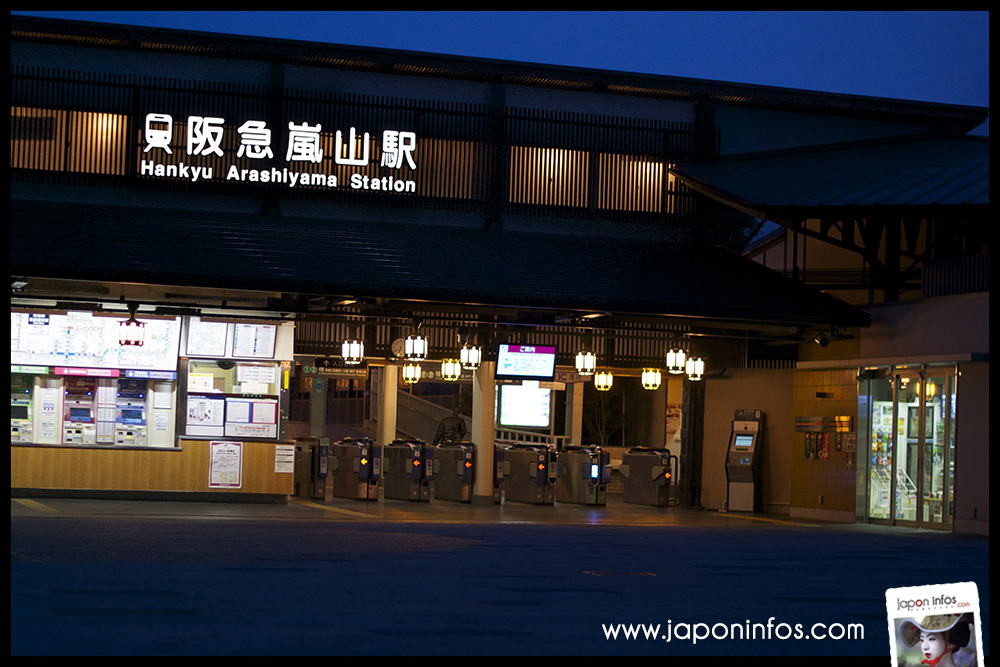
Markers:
205,138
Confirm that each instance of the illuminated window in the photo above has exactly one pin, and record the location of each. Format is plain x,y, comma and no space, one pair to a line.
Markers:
630,183
74,141
548,176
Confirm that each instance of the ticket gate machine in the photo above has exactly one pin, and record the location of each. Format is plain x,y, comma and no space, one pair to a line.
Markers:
454,471
408,468
356,467
743,462
312,457
527,473
647,474
584,473
79,411
130,409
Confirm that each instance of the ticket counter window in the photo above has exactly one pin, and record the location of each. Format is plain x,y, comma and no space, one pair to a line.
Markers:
911,445
232,398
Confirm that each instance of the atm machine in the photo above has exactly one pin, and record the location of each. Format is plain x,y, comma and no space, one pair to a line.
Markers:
743,462
130,412
21,387
79,411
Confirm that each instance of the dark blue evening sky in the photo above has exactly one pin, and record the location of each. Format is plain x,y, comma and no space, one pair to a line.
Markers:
926,56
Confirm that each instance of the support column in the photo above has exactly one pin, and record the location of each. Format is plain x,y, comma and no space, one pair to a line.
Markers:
483,431
574,412
388,390
317,408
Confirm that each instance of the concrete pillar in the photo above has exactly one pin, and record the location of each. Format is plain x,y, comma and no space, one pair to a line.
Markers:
483,431
387,405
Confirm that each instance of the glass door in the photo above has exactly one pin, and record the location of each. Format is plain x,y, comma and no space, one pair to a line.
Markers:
910,436
938,449
876,419
907,425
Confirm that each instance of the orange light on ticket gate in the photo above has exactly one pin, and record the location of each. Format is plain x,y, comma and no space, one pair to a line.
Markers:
364,461
468,464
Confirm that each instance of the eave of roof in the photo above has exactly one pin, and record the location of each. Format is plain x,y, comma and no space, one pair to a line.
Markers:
926,171
410,262
380,60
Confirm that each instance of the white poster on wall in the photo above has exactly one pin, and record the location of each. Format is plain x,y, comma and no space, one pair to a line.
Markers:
226,465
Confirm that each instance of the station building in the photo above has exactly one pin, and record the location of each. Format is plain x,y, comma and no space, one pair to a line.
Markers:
247,205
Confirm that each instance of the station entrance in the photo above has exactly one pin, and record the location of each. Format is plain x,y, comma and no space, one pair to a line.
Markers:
908,418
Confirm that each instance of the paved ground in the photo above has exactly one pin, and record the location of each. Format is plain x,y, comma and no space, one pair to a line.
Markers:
395,578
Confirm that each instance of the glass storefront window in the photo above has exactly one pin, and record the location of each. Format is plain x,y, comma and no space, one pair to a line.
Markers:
910,442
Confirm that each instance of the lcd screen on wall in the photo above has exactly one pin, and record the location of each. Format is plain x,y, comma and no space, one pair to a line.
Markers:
531,362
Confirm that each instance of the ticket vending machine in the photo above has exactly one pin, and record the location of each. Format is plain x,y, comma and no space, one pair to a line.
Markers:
21,387
79,411
130,412
743,462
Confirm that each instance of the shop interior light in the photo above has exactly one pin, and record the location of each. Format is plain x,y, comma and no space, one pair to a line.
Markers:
451,369
695,368
603,380
470,357
353,351
131,332
676,360
586,362
651,378
411,373
415,348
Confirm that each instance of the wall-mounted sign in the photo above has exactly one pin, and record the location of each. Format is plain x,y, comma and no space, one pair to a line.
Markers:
334,367
225,468
813,424
85,340
205,137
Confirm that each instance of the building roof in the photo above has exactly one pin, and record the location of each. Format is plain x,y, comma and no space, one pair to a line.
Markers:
414,263
418,64
909,172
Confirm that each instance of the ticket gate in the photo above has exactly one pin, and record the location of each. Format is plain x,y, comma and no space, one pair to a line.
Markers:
312,457
584,473
527,473
454,471
355,464
647,474
408,468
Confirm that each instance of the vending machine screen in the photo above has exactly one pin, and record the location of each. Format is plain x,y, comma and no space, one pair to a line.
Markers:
80,415
132,417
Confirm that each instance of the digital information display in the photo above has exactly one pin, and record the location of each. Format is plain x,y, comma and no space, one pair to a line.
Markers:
535,362
526,405
743,441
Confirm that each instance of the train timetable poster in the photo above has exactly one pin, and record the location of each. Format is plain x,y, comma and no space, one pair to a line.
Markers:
85,340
